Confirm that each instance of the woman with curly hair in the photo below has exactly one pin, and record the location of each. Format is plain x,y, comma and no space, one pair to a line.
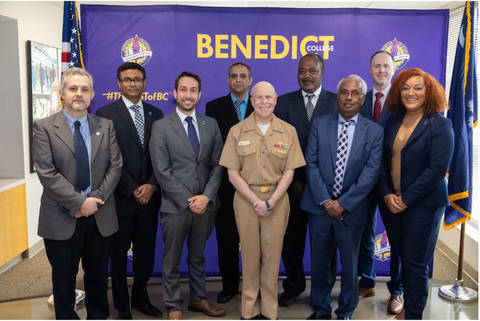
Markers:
418,148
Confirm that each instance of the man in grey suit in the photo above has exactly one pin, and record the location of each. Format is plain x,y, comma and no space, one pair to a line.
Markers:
185,147
79,165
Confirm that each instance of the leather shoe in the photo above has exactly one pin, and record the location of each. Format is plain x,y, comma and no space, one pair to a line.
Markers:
395,304
316,316
225,296
206,307
124,315
365,293
175,315
287,299
149,310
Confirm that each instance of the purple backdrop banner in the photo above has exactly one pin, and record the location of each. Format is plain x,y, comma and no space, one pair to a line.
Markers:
167,40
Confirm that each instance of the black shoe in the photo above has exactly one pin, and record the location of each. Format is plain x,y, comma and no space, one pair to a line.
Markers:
316,316
124,315
149,310
225,296
287,299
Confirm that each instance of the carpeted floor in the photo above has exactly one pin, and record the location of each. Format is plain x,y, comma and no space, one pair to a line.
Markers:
32,277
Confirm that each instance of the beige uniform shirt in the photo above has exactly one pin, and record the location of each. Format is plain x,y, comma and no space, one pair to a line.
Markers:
262,159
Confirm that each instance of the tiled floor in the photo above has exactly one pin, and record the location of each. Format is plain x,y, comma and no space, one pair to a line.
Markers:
368,309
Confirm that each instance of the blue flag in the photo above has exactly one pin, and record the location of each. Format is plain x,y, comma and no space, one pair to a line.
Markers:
463,114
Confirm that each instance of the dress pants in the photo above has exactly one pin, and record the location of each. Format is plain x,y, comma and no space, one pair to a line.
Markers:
325,233
64,256
294,247
227,239
413,234
141,230
261,247
176,228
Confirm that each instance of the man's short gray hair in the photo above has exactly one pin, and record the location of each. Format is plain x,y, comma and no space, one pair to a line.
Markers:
363,84
75,71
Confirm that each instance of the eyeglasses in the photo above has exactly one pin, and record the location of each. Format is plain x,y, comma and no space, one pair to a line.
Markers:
128,81
415,88
354,93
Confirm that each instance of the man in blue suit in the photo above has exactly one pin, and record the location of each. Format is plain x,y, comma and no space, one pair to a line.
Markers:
343,161
298,108
382,68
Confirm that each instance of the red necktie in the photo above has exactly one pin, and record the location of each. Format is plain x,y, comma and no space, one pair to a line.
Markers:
377,107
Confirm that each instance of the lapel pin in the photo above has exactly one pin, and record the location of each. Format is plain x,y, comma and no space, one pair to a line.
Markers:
425,122
97,133
149,113
203,122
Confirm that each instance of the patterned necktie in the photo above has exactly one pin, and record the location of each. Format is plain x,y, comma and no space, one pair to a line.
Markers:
238,110
139,123
342,147
310,106
81,156
377,107
192,135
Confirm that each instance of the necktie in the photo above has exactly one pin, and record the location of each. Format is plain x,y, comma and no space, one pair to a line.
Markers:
377,107
310,106
139,123
81,156
342,146
192,135
238,110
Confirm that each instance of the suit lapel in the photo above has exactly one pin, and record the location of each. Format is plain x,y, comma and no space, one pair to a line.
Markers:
180,130
419,129
359,136
148,119
96,134
63,130
299,105
126,117
333,136
202,131
368,106
322,101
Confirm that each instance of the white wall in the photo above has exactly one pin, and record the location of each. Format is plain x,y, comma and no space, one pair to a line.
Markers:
42,22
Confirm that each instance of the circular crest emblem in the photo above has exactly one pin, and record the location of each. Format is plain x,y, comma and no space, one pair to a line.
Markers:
136,50
382,247
399,51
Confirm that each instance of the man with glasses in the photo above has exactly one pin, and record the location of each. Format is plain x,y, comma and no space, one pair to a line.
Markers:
343,158
137,195
299,108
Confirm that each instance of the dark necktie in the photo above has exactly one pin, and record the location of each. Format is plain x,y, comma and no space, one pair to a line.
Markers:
81,156
377,107
238,110
310,106
342,147
139,123
192,135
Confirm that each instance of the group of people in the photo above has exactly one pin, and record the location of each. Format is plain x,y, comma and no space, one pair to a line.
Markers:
260,169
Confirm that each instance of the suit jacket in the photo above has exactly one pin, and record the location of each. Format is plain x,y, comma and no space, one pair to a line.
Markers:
361,170
367,110
223,110
425,160
137,165
176,167
291,108
54,158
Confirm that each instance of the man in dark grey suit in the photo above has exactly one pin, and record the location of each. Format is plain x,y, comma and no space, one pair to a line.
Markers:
137,195
298,108
228,111
186,148
79,165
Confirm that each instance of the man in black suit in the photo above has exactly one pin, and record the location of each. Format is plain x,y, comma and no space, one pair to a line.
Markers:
298,108
137,195
228,111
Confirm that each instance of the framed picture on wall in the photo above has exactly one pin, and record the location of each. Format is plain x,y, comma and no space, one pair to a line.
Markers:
43,77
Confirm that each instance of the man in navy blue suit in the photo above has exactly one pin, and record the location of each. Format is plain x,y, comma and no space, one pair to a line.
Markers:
137,195
298,108
343,161
382,68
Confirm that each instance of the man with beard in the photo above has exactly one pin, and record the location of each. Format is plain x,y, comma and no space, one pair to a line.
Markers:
298,108
186,148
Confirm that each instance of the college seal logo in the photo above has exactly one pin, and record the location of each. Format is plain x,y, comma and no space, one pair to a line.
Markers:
382,247
399,51
136,50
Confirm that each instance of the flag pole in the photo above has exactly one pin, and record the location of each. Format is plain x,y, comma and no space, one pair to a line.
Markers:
457,292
